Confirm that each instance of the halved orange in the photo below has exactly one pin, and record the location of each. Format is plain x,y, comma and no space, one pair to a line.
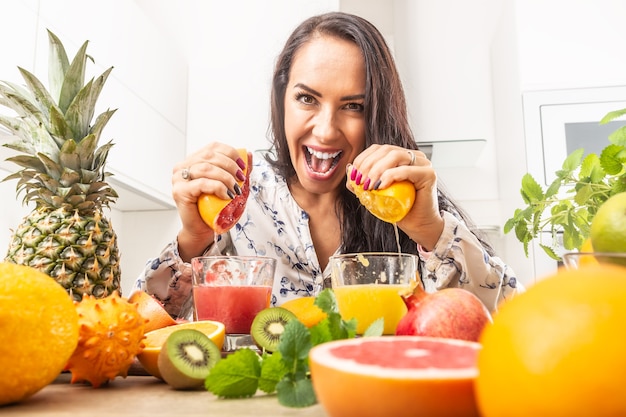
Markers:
152,310
154,341
305,310
389,204
221,214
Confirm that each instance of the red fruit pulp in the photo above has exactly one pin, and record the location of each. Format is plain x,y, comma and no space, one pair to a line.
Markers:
452,313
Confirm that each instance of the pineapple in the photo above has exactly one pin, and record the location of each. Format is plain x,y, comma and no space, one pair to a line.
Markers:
62,173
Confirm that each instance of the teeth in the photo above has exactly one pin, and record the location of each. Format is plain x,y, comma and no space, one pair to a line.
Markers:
322,155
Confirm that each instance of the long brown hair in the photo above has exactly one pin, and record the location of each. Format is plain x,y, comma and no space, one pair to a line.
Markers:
386,118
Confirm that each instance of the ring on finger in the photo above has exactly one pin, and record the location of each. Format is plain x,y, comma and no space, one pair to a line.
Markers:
412,155
186,173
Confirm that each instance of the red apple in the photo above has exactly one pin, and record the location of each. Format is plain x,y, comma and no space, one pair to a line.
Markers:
452,312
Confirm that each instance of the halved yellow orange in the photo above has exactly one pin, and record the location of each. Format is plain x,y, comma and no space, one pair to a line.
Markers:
389,204
154,341
221,214
152,310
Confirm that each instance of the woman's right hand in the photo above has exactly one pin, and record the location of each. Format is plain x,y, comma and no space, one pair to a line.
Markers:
214,169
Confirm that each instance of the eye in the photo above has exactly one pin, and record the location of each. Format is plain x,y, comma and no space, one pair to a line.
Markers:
305,98
358,107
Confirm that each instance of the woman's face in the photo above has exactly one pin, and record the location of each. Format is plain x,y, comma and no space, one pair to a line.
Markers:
324,118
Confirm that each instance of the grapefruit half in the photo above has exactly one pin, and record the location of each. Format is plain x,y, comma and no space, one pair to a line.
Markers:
395,376
221,214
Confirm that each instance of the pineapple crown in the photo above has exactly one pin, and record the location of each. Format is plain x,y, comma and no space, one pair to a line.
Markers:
61,163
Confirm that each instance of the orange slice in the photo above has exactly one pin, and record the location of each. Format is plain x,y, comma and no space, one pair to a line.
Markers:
154,341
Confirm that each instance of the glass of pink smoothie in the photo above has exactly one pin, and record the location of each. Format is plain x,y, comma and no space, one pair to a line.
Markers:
232,290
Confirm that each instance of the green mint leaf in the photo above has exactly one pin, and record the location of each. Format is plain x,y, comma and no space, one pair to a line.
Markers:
273,370
531,190
612,115
296,393
326,301
295,342
573,160
320,333
235,376
376,328
619,136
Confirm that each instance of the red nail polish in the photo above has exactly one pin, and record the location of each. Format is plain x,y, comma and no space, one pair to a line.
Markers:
240,175
358,178
241,163
353,174
366,184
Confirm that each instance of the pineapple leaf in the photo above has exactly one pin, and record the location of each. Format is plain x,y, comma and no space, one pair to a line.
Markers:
101,122
23,106
58,126
52,168
57,65
69,177
101,155
27,161
74,78
43,99
68,157
81,110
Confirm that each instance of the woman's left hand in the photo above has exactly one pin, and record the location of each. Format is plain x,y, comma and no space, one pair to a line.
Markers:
382,165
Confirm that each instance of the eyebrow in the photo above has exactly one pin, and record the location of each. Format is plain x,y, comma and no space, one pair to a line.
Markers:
318,94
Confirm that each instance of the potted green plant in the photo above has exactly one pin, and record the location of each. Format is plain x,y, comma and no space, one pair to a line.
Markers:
570,202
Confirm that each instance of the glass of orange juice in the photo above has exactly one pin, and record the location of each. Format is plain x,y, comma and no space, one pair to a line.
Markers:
232,290
369,285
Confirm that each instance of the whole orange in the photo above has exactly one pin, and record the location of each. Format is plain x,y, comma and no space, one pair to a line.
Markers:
558,349
389,204
39,328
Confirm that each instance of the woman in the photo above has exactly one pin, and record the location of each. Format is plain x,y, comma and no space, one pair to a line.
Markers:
337,108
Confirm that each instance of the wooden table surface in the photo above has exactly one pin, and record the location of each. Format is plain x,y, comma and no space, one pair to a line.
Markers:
145,396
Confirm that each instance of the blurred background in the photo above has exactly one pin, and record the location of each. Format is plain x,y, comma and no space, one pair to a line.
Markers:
491,86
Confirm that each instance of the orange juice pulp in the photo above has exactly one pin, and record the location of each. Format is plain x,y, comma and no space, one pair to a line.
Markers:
369,302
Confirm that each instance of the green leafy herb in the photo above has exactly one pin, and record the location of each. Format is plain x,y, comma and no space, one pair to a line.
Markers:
286,371
571,201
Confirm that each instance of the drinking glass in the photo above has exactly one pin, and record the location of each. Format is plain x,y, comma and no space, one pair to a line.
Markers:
574,260
232,290
368,286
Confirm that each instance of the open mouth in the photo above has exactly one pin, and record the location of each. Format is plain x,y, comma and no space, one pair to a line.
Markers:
321,162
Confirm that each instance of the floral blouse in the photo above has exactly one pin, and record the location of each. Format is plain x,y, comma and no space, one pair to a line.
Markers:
274,225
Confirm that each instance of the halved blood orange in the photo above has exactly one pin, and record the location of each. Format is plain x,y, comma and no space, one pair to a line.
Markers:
152,310
395,376
222,214
389,204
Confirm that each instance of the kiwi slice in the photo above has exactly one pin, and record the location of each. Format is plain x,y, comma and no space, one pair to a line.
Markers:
268,325
186,358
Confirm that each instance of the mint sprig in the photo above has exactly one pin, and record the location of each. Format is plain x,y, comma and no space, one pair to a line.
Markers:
569,204
286,371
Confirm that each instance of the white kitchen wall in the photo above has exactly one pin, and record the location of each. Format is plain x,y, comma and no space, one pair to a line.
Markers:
465,65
